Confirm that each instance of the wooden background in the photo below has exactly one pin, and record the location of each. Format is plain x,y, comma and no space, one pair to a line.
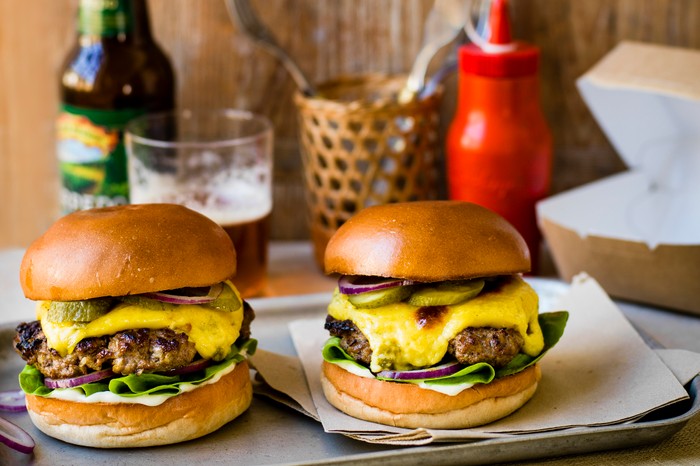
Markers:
217,66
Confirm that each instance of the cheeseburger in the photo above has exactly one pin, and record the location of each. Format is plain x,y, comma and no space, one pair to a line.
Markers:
140,338
432,324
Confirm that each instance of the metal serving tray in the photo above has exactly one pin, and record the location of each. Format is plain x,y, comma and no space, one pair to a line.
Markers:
269,433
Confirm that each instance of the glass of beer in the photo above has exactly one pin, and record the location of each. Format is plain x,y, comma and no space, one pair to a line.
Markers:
218,163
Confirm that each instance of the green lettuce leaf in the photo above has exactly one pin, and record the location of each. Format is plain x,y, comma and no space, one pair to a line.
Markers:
552,324
476,373
32,382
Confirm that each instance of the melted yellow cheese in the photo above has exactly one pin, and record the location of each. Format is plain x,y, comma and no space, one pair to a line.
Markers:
403,337
212,331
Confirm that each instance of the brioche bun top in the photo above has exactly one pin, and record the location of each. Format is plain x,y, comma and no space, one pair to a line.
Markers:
427,241
115,251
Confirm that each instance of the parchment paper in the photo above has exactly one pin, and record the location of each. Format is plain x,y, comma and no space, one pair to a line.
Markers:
601,372
281,378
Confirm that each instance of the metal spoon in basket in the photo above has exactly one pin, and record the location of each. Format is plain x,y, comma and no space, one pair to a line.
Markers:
444,23
245,18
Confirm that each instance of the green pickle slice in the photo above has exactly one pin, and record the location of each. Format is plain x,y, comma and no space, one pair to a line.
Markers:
78,311
226,301
371,299
148,303
446,293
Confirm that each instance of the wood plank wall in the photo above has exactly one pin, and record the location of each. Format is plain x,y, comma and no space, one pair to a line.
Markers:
217,66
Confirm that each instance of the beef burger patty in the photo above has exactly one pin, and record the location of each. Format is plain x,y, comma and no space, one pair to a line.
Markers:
128,352
495,346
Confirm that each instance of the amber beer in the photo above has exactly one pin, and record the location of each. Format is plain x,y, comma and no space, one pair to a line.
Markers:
250,239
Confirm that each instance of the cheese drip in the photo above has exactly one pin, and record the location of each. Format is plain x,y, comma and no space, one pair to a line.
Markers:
405,337
212,331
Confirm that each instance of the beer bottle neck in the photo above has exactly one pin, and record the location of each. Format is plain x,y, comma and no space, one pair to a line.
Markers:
122,20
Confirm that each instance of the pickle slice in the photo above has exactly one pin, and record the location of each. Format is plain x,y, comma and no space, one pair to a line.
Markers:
226,301
372,299
148,303
446,293
78,311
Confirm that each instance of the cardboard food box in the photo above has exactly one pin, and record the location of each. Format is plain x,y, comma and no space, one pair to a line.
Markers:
638,233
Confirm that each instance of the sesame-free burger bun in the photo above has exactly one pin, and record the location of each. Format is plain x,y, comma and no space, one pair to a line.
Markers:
427,241
127,425
407,405
116,251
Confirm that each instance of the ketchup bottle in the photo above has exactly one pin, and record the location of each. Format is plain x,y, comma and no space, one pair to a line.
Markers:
498,145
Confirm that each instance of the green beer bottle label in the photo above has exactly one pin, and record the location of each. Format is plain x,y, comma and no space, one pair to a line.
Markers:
105,18
92,158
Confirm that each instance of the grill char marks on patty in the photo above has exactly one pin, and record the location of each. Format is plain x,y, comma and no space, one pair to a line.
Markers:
127,352
145,350
352,340
495,346
248,316
89,355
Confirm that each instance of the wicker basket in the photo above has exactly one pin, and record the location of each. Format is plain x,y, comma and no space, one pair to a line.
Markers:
361,147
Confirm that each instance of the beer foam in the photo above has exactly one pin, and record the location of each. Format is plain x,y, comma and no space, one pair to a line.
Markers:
228,197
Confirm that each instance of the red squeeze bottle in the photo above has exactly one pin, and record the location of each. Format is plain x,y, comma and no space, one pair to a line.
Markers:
498,145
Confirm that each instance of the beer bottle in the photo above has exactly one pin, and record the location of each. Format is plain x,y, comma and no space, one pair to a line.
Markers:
115,72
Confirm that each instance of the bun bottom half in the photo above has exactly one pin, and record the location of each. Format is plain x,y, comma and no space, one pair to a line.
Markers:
407,405
118,425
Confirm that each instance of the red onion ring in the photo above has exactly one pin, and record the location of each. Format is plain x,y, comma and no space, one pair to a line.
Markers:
173,297
80,380
194,366
15,437
107,373
434,372
13,401
355,284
